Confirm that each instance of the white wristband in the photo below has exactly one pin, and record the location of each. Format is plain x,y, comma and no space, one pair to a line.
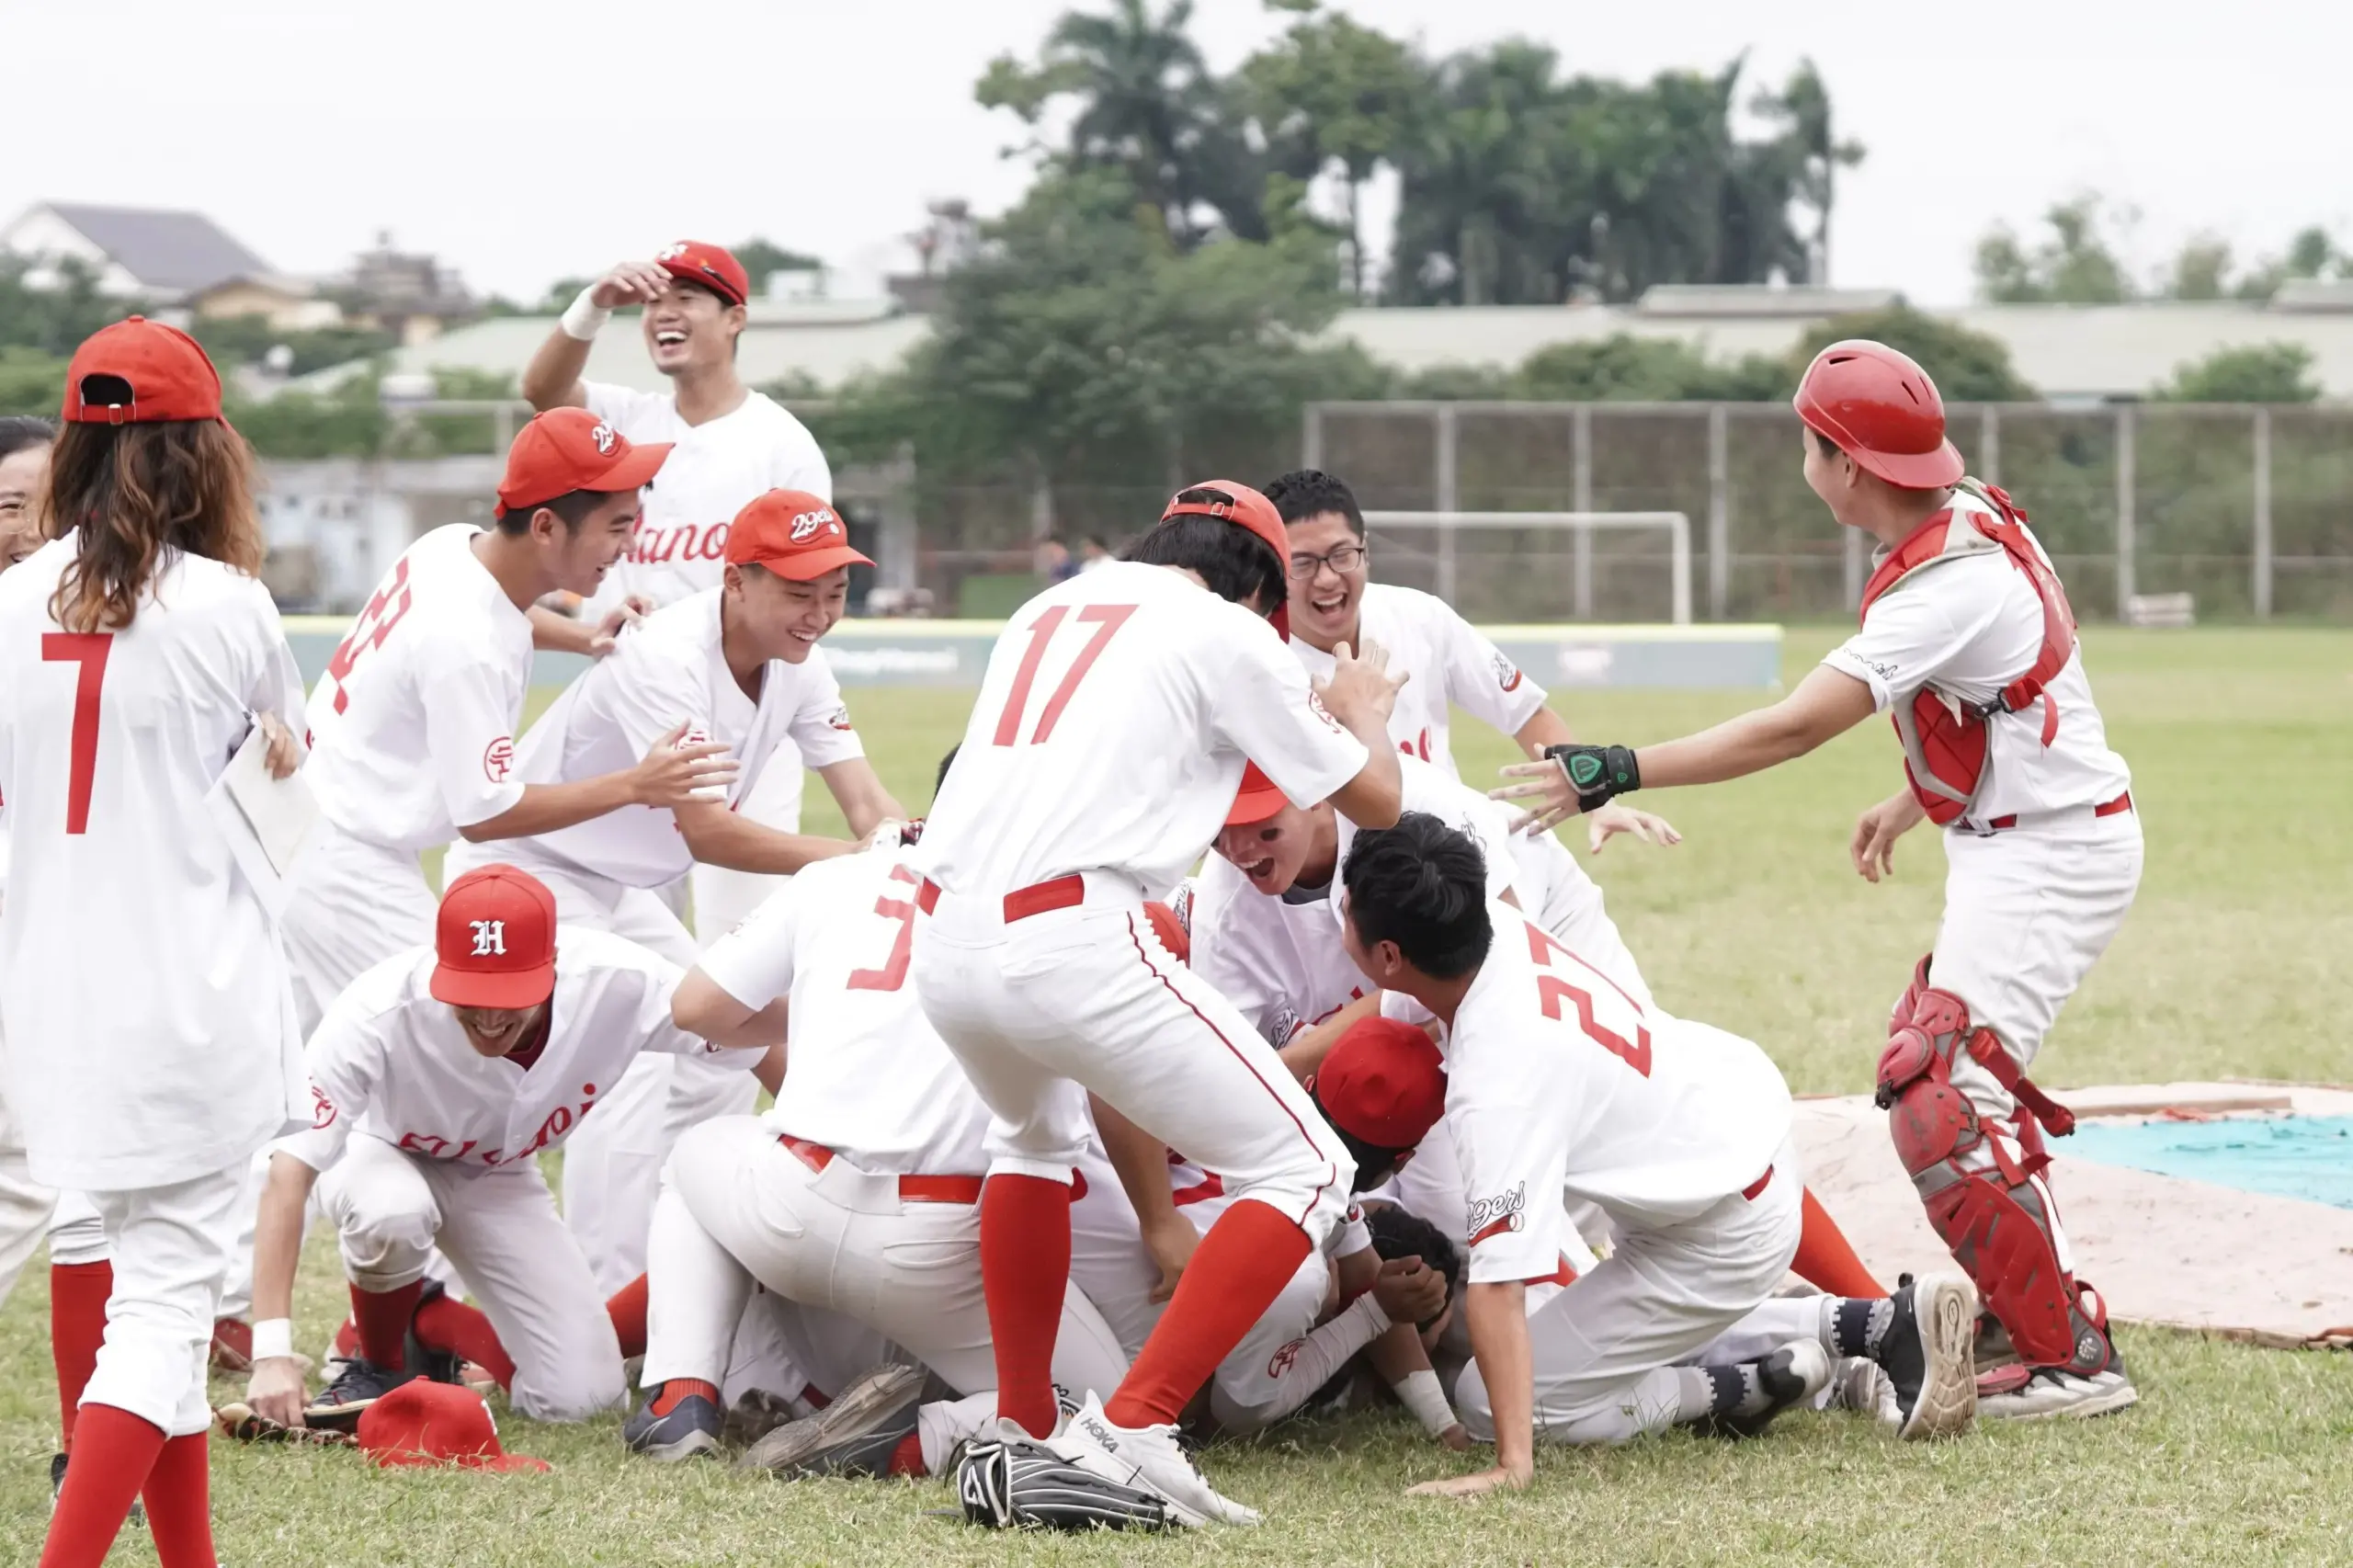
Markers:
584,318
273,1337
1423,1394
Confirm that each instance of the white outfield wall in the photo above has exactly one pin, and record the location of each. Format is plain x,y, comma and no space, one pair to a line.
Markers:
953,653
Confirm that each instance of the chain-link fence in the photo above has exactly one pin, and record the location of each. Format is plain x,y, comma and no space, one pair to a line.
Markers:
2249,509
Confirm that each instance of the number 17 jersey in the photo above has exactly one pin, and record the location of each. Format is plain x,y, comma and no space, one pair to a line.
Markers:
1110,733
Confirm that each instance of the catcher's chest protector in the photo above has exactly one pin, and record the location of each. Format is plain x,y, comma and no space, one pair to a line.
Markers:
1945,737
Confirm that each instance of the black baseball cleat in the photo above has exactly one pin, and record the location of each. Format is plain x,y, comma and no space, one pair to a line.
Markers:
1928,1352
688,1428
434,1366
1789,1377
855,1435
138,1514
359,1385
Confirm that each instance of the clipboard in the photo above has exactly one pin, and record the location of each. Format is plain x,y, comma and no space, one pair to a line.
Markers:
267,821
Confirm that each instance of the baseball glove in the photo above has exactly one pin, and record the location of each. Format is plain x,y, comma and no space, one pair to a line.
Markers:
1003,1485
241,1421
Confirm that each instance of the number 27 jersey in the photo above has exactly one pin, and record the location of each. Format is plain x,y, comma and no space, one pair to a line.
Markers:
1110,733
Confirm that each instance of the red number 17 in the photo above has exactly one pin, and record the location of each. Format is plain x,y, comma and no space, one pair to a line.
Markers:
893,973
1108,620
1551,992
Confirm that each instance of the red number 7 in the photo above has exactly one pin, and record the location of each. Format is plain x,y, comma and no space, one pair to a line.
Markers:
1108,620
89,650
893,973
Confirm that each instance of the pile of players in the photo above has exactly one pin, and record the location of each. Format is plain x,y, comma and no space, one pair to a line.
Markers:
1073,1145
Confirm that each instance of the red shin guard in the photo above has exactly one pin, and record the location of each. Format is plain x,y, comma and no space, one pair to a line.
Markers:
1236,1273
77,1326
1025,1269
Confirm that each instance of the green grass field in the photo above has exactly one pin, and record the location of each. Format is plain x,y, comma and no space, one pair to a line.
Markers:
2232,964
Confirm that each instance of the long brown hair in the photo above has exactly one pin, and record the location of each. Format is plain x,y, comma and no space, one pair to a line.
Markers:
131,491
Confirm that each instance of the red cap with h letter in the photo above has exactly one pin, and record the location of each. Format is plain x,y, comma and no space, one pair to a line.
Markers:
494,940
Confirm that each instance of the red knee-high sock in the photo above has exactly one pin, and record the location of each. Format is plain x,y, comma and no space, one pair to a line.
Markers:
1240,1266
460,1330
77,1326
179,1504
627,1308
668,1397
1025,1268
1826,1260
114,1451
383,1319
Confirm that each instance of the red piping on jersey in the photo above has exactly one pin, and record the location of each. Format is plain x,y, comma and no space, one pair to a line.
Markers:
1754,1187
1317,1196
1494,1228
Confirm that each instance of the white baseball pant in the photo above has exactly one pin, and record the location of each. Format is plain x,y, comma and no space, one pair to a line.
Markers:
78,1234
350,905
171,1247
1041,1010
1613,1351
803,1355
500,1227
738,1206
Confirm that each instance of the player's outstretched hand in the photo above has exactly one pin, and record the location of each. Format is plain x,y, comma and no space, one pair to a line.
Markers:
1360,692
629,612
674,772
274,1391
281,753
631,283
1494,1480
1616,818
1409,1290
1876,831
1542,792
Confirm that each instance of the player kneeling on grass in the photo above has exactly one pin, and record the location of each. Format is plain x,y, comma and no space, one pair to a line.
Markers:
1969,645
437,1079
1556,1082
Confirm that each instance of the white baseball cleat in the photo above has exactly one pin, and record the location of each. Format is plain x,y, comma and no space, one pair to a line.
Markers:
1929,1354
1148,1457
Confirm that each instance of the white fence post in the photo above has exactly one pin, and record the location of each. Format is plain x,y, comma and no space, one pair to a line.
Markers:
1719,514
1446,498
1310,439
1989,444
2261,588
1581,500
2126,428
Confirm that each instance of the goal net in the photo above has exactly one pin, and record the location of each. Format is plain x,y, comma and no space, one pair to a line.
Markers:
1516,567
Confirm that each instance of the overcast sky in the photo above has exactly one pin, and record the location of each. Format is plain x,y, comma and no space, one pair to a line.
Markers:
521,139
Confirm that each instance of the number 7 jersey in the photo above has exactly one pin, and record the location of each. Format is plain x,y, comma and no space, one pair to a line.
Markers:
1110,734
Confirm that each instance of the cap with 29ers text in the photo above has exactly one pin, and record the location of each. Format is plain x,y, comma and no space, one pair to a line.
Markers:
692,261
140,372
796,534
494,940
1384,1083
566,449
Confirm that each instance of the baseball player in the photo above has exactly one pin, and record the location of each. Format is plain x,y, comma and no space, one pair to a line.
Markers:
740,666
1555,1081
413,726
729,446
25,1204
141,652
1968,644
1102,758
860,1191
435,1080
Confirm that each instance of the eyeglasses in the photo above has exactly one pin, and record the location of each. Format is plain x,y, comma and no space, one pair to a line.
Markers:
1342,559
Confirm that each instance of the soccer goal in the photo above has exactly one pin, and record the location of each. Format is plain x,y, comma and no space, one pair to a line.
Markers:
1580,526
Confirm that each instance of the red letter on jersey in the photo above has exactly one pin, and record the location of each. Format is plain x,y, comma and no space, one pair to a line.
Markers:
89,650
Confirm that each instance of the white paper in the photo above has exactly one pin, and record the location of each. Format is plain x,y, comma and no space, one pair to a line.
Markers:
267,821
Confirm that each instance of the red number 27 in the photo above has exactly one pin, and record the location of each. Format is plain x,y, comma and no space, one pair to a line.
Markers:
89,650
1107,618
1552,992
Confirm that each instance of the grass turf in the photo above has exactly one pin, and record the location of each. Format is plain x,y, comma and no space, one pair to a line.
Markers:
2231,964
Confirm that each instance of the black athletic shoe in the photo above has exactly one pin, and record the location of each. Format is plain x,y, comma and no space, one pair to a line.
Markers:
434,1366
855,1435
57,1484
343,1402
1928,1352
690,1428
1790,1376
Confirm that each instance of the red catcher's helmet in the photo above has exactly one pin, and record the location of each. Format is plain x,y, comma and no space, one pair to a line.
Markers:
1881,409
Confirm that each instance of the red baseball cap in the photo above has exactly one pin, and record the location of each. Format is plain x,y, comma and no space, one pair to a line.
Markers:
1247,508
169,376
692,261
1384,1083
566,449
426,1423
1259,798
495,938
792,533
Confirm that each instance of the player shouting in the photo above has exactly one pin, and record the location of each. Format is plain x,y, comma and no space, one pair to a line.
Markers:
141,652
1967,642
729,444
1102,758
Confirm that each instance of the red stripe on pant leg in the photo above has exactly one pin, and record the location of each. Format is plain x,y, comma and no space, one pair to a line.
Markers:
1025,1269
77,1326
179,1504
457,1329
115,1450
627,1308
1236,1273
1826,1260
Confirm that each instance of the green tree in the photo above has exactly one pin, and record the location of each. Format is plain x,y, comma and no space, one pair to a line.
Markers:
2200,270
2076,264
1968,367
31,381
760,259
248,340
2264,372
1619,367
2313,253
1803,105
55,318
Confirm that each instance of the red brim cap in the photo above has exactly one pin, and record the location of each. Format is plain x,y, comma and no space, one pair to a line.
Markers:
505,989
807,566
1259,798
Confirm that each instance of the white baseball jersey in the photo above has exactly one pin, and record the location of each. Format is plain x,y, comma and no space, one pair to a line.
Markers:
413,729
714,470
1110,734
1559,1083
665,671
869,1077
145,993
1970,626
1451,663
391,1061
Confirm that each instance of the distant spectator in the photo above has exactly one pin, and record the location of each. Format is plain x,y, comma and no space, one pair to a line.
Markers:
1093,553
1054,562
